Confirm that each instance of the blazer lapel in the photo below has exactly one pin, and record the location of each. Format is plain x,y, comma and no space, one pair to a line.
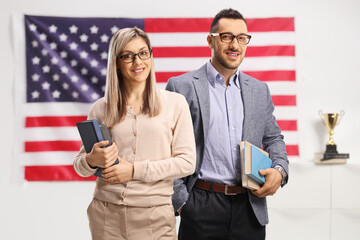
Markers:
202,92
246,97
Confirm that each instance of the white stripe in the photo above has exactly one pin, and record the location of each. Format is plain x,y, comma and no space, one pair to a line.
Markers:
199,39
249,64
178,39
286,113
290,137
161,85
282,88
49,158
293,159
276,88
272,39
267,63
178,64
56,109
51,134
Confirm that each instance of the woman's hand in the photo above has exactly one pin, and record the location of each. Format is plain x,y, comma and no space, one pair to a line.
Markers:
119,173
102,157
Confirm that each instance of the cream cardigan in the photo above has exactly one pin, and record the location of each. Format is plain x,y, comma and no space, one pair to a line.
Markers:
162,148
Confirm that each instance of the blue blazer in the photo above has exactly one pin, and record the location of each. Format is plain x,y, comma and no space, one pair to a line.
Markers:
260,128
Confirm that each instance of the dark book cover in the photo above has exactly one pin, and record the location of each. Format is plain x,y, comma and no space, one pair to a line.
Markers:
90,133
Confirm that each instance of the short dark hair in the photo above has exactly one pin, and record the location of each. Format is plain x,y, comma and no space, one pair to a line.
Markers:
225,13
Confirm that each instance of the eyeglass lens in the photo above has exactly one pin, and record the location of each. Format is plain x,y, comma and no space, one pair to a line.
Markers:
228,38
130,57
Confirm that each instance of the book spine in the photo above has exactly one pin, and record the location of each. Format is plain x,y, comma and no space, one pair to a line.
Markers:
97,130
100,138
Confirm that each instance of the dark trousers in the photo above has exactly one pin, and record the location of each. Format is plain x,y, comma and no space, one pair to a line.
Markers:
216,216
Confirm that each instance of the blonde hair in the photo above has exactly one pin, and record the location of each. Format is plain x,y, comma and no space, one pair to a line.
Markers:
115,94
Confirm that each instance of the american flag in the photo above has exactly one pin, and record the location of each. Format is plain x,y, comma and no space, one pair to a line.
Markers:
66,61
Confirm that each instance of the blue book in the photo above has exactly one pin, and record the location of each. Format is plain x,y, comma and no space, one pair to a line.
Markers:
91,132
258,160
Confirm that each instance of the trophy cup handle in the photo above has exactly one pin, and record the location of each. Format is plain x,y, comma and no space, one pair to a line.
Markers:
321,115
342,113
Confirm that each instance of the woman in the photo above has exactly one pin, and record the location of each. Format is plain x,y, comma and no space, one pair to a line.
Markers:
154,142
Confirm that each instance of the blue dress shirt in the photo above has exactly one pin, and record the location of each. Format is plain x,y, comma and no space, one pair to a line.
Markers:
221,163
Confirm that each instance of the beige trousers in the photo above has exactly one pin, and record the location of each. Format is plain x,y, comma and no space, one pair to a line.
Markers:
111,221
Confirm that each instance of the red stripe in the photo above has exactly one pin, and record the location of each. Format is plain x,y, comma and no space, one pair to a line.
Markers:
176,52
171,25
292,150
272,75
160,25
284,100
53,121
270,24
54,173
287,125
163,77
44,146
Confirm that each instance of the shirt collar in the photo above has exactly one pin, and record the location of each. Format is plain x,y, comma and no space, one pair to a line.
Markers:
214,76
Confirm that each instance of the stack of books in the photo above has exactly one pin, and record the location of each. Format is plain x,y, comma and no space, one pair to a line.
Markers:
91,132
252,159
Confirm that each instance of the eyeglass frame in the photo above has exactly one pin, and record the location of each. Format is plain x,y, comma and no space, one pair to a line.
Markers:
233,36
136,54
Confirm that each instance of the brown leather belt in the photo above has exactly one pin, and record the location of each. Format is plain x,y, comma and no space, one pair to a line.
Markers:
226,189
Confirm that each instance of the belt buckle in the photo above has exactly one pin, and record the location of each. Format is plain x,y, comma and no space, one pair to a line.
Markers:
226,190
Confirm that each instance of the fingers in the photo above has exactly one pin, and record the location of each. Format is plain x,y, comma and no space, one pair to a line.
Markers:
264,172
101,156
101,144
111,175
264,191
110,156
271,185
119,173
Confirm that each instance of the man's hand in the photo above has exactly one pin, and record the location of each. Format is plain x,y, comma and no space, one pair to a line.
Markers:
119,173
272,184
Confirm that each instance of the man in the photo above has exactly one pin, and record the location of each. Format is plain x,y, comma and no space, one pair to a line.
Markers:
227,106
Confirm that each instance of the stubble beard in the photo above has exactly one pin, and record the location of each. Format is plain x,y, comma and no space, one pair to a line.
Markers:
225,64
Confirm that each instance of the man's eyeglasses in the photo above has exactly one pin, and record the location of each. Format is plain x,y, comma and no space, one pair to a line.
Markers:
243,39
130,57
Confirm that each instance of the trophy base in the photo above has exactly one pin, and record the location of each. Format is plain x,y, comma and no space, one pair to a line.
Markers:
332,153
335,156
330,161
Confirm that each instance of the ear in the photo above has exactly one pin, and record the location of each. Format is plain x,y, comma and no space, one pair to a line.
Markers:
210,41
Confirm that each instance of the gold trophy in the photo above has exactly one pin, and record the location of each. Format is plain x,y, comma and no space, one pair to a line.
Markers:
331,120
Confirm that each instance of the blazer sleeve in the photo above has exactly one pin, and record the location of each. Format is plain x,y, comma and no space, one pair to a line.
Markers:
181,193
273,140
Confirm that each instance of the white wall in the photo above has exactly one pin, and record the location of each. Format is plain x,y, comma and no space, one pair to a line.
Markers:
320,202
